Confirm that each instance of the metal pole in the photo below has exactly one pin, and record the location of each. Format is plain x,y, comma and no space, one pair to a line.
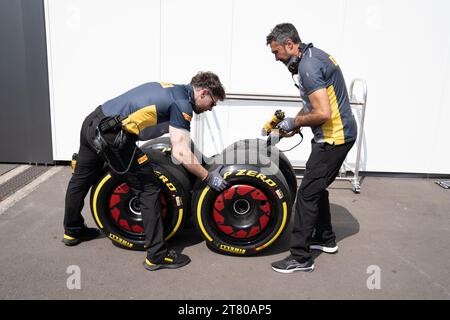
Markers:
355,184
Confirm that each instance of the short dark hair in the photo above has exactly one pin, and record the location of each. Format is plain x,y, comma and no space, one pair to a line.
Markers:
209,80
282,32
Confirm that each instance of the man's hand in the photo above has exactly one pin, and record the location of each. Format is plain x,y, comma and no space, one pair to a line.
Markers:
287,125
215,180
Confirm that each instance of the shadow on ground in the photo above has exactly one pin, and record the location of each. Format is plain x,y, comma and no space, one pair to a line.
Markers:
344,225
186,237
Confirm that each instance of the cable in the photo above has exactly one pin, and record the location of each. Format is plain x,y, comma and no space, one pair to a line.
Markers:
129,164
301,135
119,158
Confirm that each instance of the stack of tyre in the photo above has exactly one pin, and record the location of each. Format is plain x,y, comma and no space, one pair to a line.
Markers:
245,219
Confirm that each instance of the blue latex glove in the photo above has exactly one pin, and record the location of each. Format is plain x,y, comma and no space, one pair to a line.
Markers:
287,125
215,180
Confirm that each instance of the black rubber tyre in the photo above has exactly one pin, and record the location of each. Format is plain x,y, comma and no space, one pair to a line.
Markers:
116,209
247,217
275,154
163,144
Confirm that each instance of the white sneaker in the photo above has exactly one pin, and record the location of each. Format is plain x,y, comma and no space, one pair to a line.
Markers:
330,247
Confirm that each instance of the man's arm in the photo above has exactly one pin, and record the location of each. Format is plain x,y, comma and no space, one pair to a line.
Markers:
181,150
320,113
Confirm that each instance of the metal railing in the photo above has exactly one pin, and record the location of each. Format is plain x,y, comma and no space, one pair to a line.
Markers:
355,103
262,97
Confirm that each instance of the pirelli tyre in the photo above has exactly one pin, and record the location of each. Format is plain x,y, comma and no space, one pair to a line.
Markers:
164,145
276,156
116,209
246,218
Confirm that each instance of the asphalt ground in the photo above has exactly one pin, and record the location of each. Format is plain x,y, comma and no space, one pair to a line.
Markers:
4,168
394,243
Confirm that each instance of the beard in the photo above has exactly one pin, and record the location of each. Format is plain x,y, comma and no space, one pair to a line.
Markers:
196,110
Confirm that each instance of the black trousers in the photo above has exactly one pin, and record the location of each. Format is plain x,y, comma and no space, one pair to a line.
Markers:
140,178
312,209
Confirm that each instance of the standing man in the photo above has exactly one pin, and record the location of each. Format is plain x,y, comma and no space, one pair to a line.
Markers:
143,113
327,111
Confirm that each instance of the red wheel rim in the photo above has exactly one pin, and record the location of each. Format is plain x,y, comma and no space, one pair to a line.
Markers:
242,212
124,209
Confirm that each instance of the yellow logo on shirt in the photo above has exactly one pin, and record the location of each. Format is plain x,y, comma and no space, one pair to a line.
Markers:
187,117
333,60
142,159
166,84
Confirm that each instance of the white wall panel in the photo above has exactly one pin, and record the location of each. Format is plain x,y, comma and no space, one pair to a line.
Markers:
400,48
196,36
254,69
438,160
98,50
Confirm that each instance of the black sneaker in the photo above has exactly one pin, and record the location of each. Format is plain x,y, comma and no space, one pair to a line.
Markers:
290,265
85,234
328,247
173,260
